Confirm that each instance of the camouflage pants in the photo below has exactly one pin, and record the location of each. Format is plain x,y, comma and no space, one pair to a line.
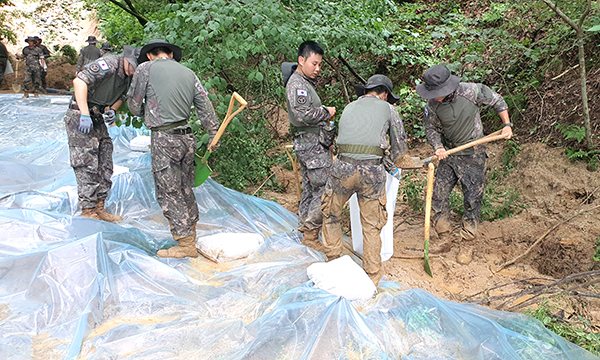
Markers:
315,161
469,170
91,159
173,170
43,78
32,78
3,62
368,182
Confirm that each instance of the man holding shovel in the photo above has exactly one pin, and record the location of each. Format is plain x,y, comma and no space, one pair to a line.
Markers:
163,92
452,119
34,64
307,116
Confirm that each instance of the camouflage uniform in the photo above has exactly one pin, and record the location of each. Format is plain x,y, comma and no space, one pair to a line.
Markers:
3,61
87,55
169,90
368,119
451,124
308,116
33,68
91,153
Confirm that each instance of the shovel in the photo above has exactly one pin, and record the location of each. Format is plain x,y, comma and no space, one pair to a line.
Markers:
428,197
486,139
202,169
16,86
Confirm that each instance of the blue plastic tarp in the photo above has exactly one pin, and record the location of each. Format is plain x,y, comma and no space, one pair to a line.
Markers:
76,288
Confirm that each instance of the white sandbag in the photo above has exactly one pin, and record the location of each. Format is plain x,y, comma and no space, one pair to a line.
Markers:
60,100
8,69
387,233
342,277
140,143
223,247
118,169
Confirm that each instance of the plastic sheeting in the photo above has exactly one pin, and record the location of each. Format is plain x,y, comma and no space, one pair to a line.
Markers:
75,288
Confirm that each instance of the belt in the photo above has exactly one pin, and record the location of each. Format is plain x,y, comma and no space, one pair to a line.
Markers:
360,149
171,125
180,131
350,160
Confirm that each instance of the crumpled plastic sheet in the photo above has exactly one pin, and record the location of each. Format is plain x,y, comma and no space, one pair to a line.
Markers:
76,288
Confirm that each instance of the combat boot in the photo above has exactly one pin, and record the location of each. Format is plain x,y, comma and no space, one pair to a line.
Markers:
311,239
468,233
186,248
36,95
105,215
441,244
90,214
26,96
376,277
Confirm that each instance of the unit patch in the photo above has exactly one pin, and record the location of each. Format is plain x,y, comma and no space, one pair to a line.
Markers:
302,96
94,68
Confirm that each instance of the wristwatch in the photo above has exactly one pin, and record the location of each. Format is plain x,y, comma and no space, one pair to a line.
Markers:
509,124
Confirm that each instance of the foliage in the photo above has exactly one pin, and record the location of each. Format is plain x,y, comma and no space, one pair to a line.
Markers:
576,331
597,251
510,153
70,54
576,132
412,191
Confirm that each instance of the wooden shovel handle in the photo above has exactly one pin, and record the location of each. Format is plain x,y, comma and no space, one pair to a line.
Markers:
428,198
228,117
486,139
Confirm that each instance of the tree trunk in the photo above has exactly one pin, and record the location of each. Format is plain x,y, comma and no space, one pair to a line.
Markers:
584,98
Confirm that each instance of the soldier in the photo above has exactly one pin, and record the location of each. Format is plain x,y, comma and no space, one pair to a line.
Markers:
452,119
163,92
364,129
88,53
307,116
46,54
3,59
101,84
34,63
106,48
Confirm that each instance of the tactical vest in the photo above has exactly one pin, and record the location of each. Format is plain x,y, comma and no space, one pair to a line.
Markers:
109,90
361,126
457,121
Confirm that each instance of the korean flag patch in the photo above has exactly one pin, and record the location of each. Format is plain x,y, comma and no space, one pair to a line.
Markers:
103,64
302,96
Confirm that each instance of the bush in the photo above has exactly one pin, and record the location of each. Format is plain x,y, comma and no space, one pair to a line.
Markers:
70,54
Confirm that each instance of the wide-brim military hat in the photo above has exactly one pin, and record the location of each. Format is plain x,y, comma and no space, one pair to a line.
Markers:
438,82
153,44
131,54
30,38
106,46
375,81
92,39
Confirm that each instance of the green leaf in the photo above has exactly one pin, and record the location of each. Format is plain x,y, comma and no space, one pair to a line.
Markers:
259,76
595,28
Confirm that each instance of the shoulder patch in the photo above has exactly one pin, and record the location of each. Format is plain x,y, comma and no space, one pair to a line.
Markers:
103,64
302,92
94,67
302,96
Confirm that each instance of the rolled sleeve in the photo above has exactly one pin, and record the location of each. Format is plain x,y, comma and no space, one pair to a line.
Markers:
487,96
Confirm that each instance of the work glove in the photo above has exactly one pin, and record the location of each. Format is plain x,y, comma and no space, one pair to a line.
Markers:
215,146
109,117
85,124
397,174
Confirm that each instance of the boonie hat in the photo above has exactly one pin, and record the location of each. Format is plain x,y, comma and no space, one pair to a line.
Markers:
438,82
106,46
131,54
31,38
375,81
91,39
153,44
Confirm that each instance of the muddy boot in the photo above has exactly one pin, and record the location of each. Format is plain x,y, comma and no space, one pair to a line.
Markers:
376,277
26,96
311,239
36,95
465,254
441,244
90,214
186,248
105,215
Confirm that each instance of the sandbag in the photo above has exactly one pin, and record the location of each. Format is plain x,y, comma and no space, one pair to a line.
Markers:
342,277
140,143
387,233
224,247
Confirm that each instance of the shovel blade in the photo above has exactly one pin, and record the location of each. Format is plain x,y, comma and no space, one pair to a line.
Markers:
202,170
16,88
427,266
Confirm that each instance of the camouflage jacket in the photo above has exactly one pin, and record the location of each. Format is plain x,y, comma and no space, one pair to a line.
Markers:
478,95
32,57
169,90
99,73
303,103
87,55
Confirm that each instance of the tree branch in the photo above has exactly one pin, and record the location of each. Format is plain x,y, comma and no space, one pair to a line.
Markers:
363,81
588,10
567,19
131,11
